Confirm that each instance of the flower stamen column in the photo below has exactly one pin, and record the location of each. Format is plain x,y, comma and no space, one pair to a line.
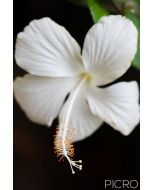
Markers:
65,134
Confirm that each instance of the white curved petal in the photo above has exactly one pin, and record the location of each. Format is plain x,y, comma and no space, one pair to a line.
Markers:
45,48
117,105
42,97
109,48
81,118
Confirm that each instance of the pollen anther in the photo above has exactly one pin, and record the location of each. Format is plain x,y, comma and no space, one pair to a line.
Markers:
65,148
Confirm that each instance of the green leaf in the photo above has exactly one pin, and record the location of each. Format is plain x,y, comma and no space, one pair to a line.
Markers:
97,10
124,1
138,1
136,21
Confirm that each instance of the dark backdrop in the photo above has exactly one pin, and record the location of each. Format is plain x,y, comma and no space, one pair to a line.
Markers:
106,154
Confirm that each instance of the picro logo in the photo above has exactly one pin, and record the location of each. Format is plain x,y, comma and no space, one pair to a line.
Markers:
121,184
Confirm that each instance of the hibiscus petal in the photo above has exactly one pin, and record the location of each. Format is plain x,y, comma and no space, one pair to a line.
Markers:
45,48
109,48
118,105
42,97
81,118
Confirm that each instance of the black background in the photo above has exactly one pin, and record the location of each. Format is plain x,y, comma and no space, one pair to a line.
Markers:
106,154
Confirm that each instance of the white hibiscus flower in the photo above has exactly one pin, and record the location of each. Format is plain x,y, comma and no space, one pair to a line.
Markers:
57,68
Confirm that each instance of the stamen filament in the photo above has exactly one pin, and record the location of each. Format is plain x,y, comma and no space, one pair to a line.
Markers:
64,134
